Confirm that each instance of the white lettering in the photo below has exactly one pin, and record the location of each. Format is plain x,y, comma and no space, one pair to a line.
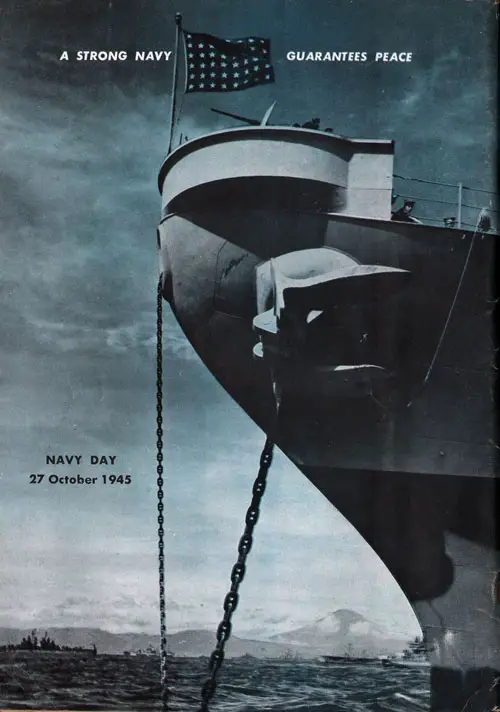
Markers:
393,56
101,55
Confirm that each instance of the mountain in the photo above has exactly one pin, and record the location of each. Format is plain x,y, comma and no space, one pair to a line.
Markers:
187,643
194,643
343,631
334,634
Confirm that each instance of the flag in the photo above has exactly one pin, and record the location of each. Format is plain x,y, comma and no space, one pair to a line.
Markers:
214,64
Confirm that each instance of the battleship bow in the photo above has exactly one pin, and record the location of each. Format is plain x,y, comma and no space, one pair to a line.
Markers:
278,252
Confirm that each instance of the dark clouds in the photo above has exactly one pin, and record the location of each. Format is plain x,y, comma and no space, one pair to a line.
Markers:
81,147
447,92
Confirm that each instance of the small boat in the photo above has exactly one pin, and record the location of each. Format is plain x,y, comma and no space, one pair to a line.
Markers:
348,659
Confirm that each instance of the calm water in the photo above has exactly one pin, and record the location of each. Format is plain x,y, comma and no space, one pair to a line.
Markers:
112,682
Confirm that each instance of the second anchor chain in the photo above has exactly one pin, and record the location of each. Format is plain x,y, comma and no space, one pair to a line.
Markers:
237,575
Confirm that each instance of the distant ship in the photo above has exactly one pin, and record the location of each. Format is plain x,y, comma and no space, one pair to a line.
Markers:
416,656
290,275
402,663
349,659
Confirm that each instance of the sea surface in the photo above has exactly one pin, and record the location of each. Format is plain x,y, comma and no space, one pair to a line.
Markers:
117,682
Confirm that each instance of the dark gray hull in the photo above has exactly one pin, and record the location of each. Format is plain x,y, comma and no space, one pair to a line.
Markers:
412,465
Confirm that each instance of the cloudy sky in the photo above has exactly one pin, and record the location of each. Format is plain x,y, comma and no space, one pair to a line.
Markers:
81,145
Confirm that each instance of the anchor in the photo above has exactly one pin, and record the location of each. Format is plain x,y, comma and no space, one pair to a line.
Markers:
309,286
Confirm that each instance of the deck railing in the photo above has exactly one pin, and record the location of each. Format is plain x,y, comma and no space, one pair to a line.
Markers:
446,204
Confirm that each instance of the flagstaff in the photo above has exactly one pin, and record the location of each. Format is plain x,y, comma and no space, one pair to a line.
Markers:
178,23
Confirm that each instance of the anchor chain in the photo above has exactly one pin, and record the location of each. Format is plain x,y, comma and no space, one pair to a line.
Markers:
244,545
237,575
160,494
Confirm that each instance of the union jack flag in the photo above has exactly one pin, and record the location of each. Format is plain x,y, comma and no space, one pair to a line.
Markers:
214,64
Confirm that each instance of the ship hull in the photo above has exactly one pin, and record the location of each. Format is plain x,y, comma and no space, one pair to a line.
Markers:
412,463
411,425
415,477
